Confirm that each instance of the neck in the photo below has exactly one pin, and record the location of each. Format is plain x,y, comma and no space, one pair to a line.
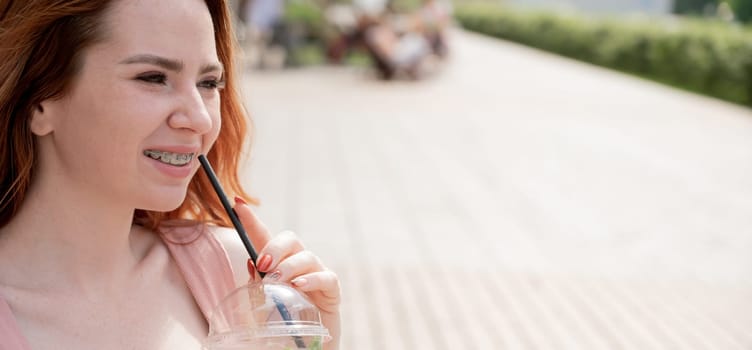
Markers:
66,237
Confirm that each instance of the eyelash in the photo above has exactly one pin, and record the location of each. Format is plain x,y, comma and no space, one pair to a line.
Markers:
153,78
161,79
213,84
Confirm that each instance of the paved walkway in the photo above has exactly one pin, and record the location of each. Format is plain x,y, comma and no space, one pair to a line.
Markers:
518,200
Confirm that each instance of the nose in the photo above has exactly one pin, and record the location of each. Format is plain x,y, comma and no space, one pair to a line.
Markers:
191,113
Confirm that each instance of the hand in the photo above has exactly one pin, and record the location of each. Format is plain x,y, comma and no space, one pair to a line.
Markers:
285,259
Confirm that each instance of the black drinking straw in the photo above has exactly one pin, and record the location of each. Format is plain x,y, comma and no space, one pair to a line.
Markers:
244,237
228,208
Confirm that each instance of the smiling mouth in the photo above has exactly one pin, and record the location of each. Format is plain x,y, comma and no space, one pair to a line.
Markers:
176,159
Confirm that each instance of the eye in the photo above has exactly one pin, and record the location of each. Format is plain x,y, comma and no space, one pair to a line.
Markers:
212,84
153,78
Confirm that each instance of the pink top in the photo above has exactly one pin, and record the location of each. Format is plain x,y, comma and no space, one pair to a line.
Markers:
200,257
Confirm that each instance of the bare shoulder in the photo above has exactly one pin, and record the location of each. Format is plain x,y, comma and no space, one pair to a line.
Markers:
229,239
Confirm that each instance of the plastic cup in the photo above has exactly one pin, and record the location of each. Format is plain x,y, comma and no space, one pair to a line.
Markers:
265,316
261,316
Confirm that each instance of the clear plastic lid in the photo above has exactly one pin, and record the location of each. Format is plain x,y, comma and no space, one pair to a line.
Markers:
265,316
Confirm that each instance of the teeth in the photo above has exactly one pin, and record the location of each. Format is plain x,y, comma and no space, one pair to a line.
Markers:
169,157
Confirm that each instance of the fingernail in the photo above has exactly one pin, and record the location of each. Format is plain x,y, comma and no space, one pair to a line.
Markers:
274,276
239,200
300,282
264,263
251,270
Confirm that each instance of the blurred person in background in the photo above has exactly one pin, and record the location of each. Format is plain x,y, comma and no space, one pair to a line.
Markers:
343,20
396,53
264,32
406,43
433,19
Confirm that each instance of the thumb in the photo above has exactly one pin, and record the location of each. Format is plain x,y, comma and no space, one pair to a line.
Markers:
257,232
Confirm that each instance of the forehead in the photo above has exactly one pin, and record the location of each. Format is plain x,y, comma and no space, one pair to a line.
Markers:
180,29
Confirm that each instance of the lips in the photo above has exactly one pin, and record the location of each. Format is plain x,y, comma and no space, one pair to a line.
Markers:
171,158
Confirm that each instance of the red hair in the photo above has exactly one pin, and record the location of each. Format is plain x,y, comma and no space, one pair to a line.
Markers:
41,43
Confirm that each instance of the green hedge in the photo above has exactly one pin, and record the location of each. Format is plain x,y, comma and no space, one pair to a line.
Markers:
306,14
706,57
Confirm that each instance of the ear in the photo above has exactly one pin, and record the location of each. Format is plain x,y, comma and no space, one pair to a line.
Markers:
41,120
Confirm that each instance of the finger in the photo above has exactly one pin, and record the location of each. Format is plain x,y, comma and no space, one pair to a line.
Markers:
300,263
323,283
256,230
252,272
282,246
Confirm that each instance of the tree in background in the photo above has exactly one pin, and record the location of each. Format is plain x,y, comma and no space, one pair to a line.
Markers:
695,6
742,10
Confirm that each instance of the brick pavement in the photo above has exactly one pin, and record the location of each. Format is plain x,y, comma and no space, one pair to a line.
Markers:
517,200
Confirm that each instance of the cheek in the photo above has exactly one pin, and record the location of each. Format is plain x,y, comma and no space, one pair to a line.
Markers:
211,136
111,131
90,127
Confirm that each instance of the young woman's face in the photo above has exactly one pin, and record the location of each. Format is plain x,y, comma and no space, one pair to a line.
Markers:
143,106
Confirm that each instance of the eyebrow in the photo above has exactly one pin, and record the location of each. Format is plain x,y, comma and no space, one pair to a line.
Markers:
169,64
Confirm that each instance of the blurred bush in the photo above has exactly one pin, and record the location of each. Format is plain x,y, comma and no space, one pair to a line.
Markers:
709,57
305,31
307,15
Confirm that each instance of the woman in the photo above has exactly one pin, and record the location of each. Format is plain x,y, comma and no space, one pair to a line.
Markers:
104,106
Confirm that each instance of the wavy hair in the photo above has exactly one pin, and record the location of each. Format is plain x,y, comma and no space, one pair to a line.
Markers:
41,48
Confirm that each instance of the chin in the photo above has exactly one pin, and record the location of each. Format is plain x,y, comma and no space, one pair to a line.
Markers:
164,203
166,207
